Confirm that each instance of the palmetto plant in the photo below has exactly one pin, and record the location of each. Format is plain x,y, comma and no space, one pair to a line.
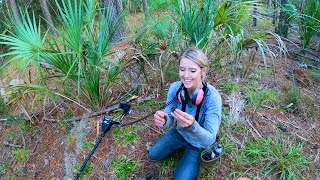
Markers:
309,20
218,29
75,65
305,15
195,20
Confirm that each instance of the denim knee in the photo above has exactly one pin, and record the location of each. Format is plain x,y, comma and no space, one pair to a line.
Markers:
185,174
154,154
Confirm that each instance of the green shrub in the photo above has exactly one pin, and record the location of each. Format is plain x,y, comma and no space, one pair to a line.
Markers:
265,96
315,75
195,20
293,96
21,155
123,167
86,171
3,107
126,136
134,6
167,165
278,156
4,167
230,87
89,145
159,5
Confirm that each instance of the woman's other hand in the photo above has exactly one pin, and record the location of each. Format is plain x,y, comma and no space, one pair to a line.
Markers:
160,118
183,119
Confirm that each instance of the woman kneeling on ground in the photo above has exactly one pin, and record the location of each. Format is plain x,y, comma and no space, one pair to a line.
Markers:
196,108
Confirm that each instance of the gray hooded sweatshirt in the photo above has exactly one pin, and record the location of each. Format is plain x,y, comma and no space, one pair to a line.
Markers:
203,132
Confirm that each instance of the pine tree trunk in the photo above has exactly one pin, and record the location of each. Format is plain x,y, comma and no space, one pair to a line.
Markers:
275,12
269,2
120,33
283,24
14,10
1,58
254,20
119,7
146,9
116,7
47,16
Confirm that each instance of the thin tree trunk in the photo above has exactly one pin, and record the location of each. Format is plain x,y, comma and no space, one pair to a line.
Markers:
146,9
269,2
47,16
254,20
283,24
120,33
15,11
1,59
116,7
119,7
318,43
275,12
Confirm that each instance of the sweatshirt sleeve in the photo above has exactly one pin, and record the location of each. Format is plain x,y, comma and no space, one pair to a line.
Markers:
205,135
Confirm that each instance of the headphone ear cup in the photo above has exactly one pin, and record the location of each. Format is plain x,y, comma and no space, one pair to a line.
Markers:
181,97
198,96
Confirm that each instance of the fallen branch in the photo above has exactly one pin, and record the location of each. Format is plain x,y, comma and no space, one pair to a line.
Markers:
267,106
110,108
6,143
240,145
5,31
145,124
317,156
297,127
290,123
250,124
314,144
35,147
23,109
51,120
305,56
295,133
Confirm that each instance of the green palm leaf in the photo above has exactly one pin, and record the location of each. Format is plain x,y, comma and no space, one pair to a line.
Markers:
25,41
76,60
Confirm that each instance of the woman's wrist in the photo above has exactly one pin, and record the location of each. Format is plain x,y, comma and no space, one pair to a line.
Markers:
193,120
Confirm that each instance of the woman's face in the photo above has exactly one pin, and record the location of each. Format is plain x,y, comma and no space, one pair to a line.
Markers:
190,74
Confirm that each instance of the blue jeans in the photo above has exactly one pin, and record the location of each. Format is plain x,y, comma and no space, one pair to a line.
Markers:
170,142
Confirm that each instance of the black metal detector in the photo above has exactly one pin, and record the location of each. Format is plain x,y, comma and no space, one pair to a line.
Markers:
105,127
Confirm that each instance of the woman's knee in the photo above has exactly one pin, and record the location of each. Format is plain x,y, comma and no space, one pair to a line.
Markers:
154,154
185,174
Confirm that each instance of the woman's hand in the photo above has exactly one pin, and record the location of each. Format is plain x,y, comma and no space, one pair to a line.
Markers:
183,119
160,118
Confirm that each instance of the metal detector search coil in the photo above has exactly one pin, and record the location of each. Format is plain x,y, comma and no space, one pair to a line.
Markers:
208,151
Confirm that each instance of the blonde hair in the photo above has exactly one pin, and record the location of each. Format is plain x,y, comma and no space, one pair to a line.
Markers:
197,56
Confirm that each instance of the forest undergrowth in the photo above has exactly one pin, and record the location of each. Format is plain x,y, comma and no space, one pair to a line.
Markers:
56,90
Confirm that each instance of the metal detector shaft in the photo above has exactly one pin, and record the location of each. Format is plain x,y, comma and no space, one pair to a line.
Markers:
106,125
89,156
